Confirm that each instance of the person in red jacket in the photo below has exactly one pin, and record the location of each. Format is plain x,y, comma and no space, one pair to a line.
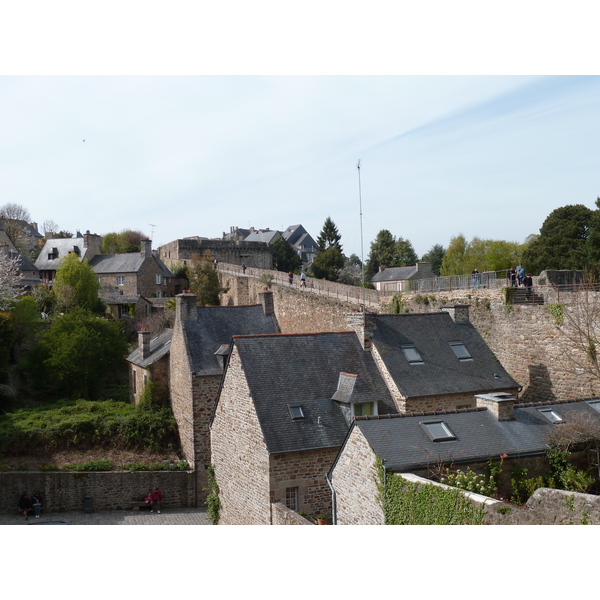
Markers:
155,498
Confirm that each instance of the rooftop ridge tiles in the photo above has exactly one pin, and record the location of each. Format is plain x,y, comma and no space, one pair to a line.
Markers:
433,413
551,402
294,334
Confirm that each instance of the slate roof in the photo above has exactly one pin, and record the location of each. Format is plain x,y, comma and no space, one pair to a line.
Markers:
263,236
159,346
304,370
63,246
215,326
404,445
130,262
441,372
395,274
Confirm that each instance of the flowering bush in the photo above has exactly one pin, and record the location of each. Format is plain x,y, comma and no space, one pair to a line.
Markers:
471,482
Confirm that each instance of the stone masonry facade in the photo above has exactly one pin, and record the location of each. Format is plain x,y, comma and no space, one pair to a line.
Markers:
354,482
239,454
64,491
252,254
305,471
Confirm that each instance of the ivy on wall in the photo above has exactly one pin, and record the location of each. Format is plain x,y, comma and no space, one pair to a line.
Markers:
409,503
213,502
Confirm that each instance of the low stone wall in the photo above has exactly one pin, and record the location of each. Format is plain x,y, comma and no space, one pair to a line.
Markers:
282,515
65,491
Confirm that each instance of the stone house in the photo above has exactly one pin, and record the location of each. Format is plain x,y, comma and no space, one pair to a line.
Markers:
421,443
284,408
135,273
150,362
397,279
200,346
432,361
54,250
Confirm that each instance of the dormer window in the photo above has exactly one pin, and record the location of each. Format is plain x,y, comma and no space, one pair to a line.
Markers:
412,355
437,431
363,409
221,354
296,412
595,404
460,351
551,415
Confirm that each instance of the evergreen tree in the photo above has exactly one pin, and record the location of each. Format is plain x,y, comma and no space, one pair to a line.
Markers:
435,256
285,258
387,251
568,239
329,259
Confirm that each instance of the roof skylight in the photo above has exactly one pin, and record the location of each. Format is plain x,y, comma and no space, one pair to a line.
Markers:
296,412
460,350
438,431
412,355
551,415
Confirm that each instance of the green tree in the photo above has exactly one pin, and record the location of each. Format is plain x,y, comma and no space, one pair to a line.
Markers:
76,285
329,259
84,352
126,241
387,251
435,256
204,280
455,259
285,258
563,241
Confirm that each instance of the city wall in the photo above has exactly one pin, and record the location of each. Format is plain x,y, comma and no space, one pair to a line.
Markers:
525,338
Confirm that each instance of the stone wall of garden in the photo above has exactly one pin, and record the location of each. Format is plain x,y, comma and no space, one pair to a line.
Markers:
66,491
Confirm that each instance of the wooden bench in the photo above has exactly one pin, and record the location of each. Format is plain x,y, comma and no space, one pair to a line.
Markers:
137,504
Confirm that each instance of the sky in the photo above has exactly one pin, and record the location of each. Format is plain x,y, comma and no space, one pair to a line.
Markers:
194,131
178,156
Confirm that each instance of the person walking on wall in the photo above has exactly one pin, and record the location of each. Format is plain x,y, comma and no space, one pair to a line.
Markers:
155,500
528,283
36,500
291,277
243,269
25,505
303,279
520,273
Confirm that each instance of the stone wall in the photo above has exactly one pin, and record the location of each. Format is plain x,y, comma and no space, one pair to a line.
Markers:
525,338
65,491
354,482
252,254
306,471
282,515
239,453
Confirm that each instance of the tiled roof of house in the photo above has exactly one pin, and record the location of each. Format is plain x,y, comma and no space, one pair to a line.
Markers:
215,326
404,445
159,346
441,371
304,370
263,236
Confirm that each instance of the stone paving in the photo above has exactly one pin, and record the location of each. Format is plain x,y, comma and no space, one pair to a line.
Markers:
175,516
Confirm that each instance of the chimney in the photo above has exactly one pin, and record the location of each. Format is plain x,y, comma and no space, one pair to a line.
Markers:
93,243
146,248
144,343
266,299
501,405
186,307
458,312
363,323
382,268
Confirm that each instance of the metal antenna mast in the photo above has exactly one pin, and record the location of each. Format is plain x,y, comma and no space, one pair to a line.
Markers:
152,232
362,261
